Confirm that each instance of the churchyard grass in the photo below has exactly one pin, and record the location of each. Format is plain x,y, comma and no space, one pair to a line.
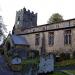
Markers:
70,71
64,63
31,61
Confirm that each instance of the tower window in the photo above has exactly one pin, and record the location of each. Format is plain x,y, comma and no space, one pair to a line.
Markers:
18,18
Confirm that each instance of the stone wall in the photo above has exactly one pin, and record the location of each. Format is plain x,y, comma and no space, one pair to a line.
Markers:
58,30
47,27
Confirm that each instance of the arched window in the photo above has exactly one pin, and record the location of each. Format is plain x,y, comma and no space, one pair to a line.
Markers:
51,38
67,37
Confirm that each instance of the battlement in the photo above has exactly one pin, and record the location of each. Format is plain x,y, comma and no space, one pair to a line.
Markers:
25,19
28,11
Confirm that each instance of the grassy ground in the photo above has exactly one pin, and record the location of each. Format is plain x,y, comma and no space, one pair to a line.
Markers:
31,61
64,63
71,71
58,73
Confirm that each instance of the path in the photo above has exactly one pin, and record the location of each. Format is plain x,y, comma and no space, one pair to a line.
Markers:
65,68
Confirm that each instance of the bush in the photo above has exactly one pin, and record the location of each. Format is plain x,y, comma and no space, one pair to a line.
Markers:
64,56
74,54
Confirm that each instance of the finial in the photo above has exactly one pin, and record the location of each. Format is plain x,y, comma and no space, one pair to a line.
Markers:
29,11
32,12
24,9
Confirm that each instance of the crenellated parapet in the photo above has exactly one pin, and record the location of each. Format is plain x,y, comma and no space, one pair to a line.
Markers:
25,19
28,11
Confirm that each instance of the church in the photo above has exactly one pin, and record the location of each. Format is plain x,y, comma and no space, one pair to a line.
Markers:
54,38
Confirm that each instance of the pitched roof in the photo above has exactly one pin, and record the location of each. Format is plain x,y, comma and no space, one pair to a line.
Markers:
19,40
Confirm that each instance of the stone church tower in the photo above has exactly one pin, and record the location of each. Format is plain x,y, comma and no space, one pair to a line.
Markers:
25,19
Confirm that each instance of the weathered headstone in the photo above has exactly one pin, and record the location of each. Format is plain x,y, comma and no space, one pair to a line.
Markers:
46,64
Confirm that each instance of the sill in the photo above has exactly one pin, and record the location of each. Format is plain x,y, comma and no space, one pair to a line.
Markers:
51,45
67,44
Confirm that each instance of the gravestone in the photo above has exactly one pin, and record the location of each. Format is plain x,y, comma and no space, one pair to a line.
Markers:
46,64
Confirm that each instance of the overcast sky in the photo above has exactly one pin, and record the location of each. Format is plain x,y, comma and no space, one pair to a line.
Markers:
44,8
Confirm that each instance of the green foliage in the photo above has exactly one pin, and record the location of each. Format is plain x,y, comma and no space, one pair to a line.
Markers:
28,63
3,28
64,63
9,53
74,54
56,17
64,56
31,61
70,71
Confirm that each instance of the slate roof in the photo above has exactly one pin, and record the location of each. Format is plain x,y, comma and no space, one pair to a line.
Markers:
18,40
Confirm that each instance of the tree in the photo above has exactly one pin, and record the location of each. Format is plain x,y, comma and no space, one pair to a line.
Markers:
3,30
56,17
